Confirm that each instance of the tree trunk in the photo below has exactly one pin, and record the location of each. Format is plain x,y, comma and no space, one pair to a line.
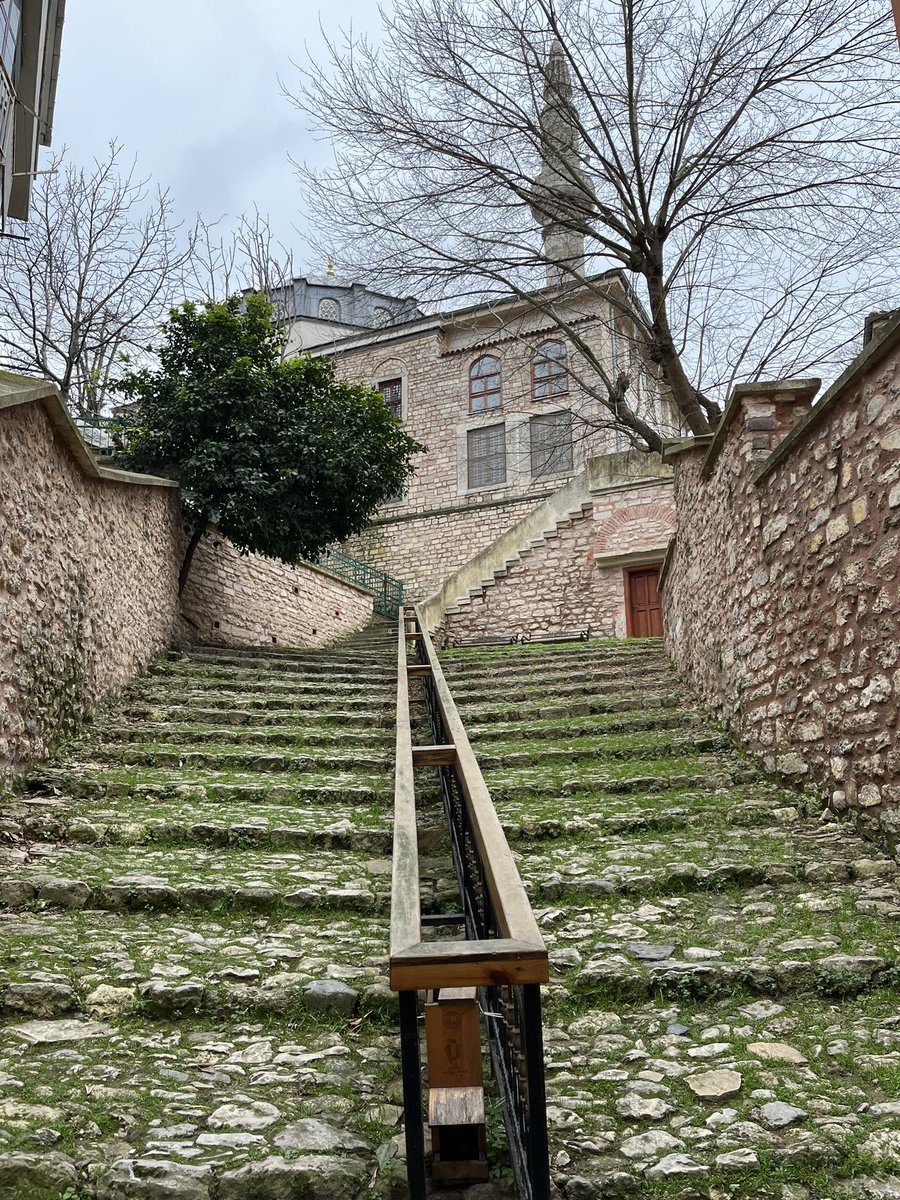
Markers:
193,543
683,391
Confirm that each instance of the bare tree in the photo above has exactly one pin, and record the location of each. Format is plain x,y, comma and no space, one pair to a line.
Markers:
733,163
98,267
246,258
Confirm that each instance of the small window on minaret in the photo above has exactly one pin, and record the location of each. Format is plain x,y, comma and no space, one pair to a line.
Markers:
549,374
484,384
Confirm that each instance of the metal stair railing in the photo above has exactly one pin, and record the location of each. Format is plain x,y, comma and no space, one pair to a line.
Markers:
502,954
388,592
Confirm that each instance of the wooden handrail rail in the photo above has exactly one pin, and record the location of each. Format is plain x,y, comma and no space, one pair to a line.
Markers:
519,956
406,924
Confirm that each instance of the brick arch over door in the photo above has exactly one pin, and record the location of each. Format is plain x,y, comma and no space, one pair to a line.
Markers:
638,527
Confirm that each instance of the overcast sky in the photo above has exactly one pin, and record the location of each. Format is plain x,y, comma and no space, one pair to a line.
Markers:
192,88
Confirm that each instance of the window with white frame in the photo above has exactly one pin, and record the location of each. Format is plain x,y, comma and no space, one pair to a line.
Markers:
486,456
551,444
549,372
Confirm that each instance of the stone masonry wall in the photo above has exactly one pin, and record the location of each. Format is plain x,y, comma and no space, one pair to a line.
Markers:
575,578
238,599
424,550
88,582
782,594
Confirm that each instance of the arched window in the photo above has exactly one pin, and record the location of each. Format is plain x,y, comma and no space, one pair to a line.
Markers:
549,374
484,384
381,317
329,310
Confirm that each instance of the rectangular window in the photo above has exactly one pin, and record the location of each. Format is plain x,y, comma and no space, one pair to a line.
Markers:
551,444
486,454
392,390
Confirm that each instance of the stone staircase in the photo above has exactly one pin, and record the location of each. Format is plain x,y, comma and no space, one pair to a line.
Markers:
194,931
722,1017
516,563
195,903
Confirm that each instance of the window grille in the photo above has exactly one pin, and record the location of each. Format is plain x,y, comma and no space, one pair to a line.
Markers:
551,444
484,384
329,310
392,390
486,456
549,374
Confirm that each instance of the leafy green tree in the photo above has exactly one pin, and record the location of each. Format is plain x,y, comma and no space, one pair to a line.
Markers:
278,454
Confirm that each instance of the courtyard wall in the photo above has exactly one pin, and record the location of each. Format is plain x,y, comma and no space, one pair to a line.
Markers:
781,591
89,563
88,573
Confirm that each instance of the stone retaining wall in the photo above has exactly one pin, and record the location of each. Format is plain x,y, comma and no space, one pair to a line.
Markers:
89,562
238,599
575,578
782,591
424,550
88,573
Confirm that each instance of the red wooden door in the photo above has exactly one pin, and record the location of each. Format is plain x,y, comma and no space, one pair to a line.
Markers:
643,608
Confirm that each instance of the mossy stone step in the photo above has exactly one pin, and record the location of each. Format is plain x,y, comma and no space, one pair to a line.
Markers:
259,668
547,729
283,698
567,683
238,758
585,704
283,717
599,749
224,733
287,790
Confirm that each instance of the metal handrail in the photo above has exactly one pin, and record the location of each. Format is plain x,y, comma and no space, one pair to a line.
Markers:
503,953
388,592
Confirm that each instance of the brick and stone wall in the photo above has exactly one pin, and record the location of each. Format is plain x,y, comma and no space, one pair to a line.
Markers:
423,549
238,599
88,576
575,578
782,591
440,523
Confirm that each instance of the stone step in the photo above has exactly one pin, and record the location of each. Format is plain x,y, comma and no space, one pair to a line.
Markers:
238,758
283,716
250,683
705,773
578,705
568,682
345,669
250,789
598,749
225,733
538,692
534,728
134,878
313,703
741,1097
582,667
474,659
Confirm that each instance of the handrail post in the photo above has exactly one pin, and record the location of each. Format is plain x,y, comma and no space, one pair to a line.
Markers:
411,1069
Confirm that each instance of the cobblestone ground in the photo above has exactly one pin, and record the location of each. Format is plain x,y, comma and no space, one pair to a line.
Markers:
193,940
722,1020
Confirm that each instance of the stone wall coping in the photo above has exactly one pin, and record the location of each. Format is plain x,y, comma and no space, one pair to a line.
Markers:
666,562
769,388
672,448
450,509
17,390
880,346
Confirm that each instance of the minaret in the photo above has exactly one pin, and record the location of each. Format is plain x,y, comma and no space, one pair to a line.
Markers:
562,196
